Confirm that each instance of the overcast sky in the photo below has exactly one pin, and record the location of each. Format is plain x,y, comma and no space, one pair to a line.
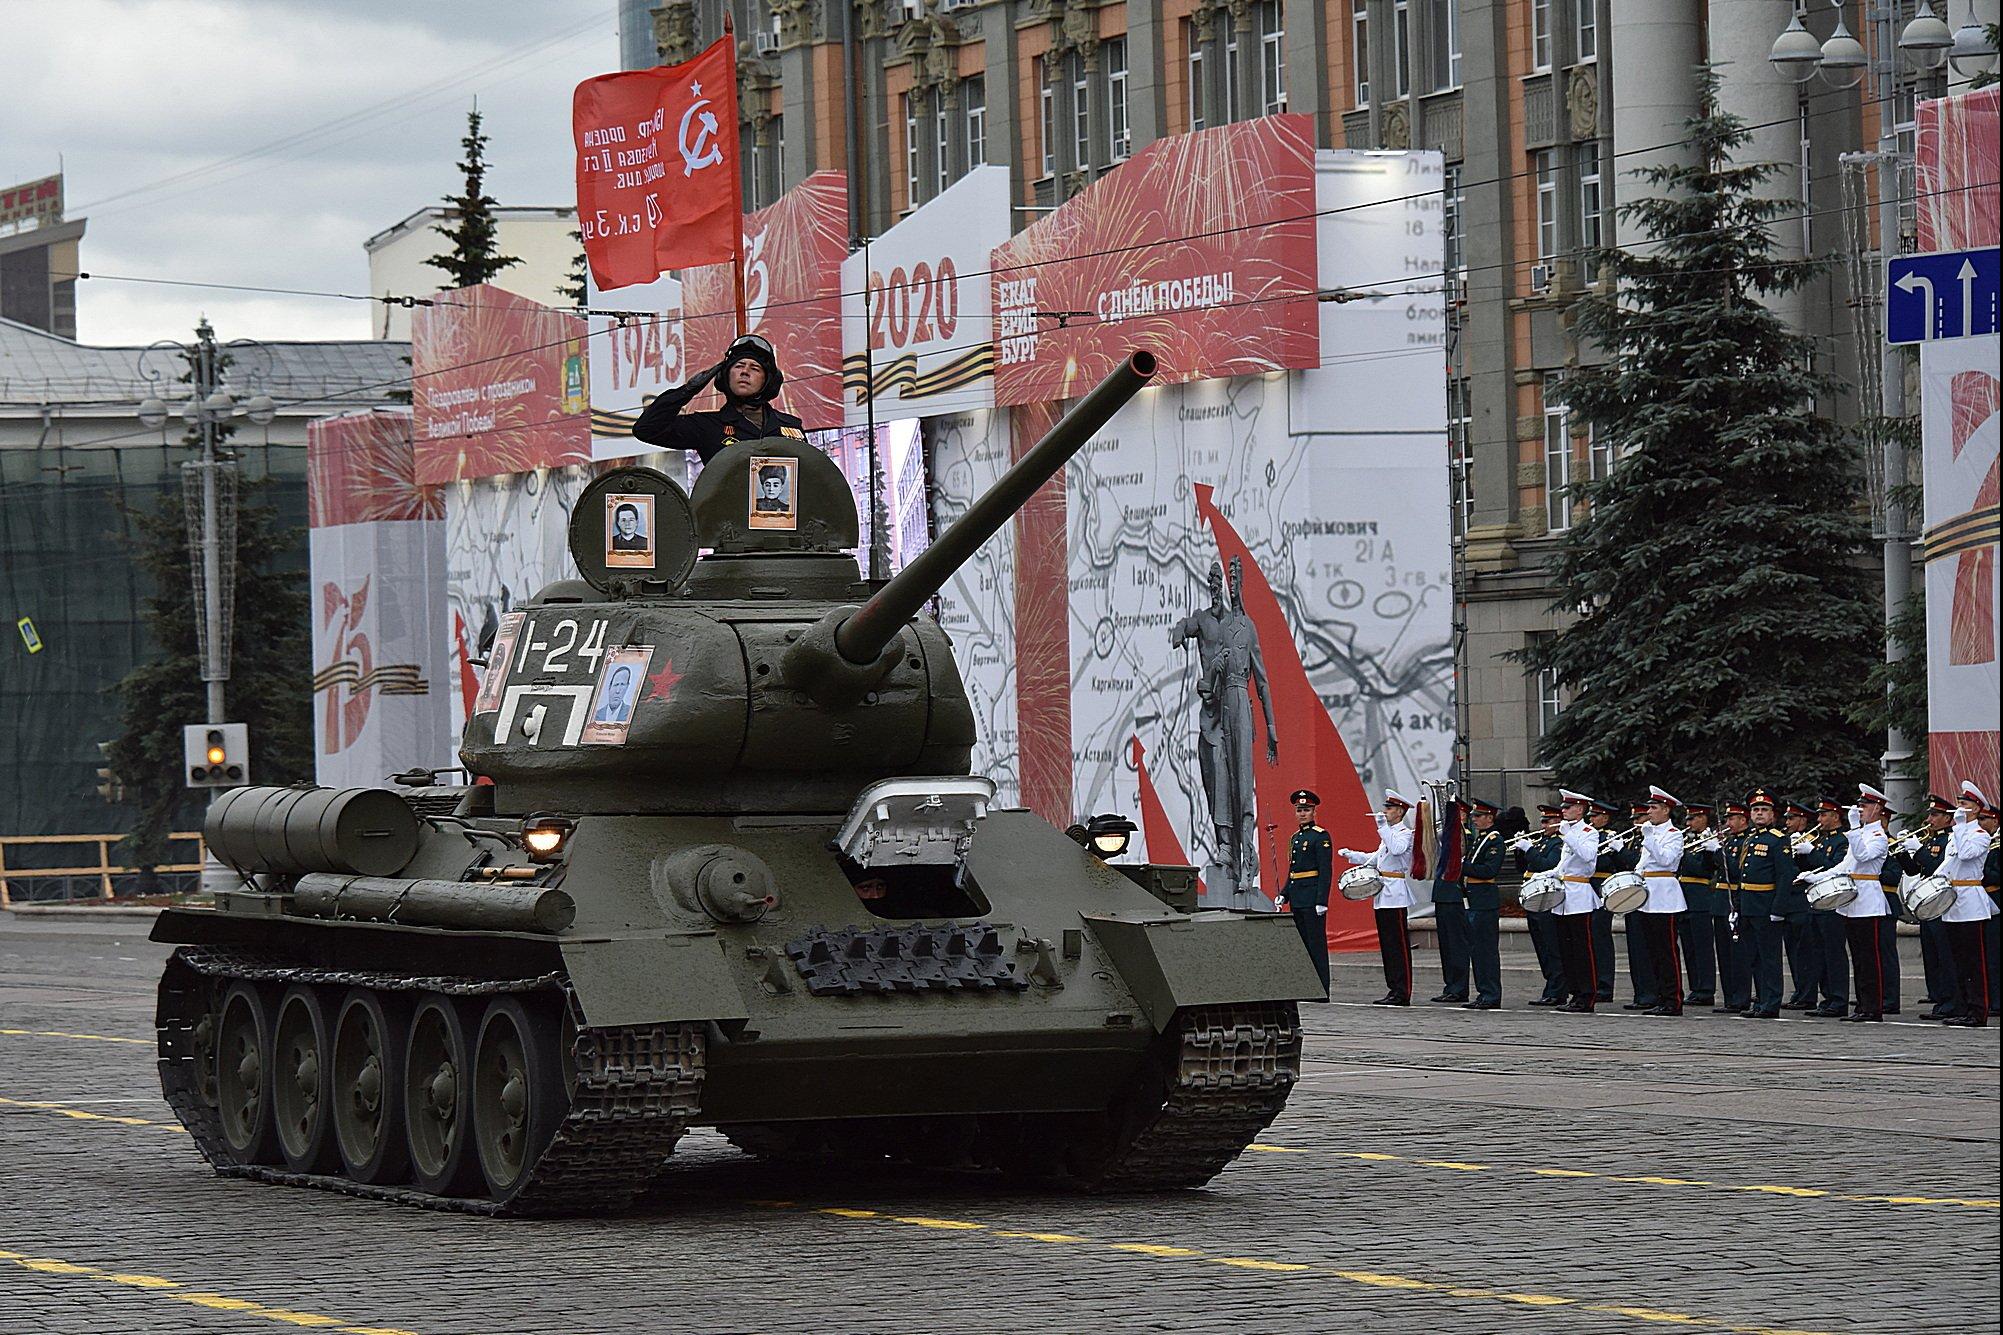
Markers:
153,106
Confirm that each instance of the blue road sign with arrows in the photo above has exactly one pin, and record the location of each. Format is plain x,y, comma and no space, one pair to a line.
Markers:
1952,294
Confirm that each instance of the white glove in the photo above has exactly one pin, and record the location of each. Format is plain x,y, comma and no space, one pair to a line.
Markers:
1855,815
1350,854
1809,878
1910,844
1321,910
1521,843
1711,845
1377,816
1775,917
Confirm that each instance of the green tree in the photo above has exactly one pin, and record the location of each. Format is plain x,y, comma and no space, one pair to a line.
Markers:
271,671
575,282
475,256
1723,631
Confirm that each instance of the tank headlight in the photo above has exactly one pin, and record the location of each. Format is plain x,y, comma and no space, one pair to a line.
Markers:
1108,835
543,837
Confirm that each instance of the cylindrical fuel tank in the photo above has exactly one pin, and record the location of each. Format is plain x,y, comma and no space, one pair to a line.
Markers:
290,831
497,907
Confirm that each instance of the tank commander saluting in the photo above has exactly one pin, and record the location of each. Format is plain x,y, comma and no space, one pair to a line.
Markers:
749,377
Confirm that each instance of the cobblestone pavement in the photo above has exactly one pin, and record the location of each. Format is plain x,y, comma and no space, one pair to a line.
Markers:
1437,1170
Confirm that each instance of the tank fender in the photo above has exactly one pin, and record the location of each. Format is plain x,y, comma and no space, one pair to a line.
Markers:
1171,961
629,978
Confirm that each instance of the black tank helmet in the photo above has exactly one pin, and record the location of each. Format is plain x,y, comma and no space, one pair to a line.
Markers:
760,351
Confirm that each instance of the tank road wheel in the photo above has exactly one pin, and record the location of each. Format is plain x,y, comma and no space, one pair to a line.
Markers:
243,1075
366,1095
518,1092
299,1078
438,1098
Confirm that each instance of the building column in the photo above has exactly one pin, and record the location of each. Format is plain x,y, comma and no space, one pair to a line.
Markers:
1490,169
796,93
1652,52
1147,75
1742,32
1306,50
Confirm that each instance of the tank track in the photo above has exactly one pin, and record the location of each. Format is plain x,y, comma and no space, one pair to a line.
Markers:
1211,1085
632,1095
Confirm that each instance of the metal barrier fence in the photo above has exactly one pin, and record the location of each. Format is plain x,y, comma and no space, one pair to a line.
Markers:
35,885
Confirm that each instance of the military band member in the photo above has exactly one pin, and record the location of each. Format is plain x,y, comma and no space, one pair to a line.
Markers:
1828,846
1654,923
1310,876
1450,911
1801,943
1992,885
1640,968
1703,953
1735,964
1610,860
1481,864
1766,865
1968,918
1576,864
1393,861
1865,847
1540,852
1920,854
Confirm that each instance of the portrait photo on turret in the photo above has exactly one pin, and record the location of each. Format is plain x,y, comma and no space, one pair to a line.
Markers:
619,683
629,530
774,493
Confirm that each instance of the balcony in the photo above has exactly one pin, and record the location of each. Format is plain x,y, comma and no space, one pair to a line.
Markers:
1540,111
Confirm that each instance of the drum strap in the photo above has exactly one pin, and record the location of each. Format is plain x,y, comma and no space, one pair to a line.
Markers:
1670,874
1959,884
1392,875
1580,880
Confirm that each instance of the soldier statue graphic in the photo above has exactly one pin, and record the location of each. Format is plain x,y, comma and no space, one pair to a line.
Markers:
1228,663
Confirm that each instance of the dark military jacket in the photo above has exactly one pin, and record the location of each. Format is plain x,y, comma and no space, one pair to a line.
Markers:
1992,871
1310,867
1764,865
1544,854
1927,861
1481,863
1613,861
707,433
1830,848
1697,873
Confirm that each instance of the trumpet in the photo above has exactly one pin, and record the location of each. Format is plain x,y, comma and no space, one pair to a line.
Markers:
1694,839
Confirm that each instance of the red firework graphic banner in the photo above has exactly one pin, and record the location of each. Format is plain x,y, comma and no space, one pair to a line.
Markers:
497,386
1955,166
793,256
1200,248
360,468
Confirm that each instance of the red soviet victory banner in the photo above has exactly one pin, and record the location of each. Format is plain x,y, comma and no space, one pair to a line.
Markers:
657,167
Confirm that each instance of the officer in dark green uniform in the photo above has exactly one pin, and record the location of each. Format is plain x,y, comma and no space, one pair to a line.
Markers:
1310,876
1800,941
1829,846
1992,882
1735,958
1481,863
1450,913
1767,864
1539,852
1703,952
1920,854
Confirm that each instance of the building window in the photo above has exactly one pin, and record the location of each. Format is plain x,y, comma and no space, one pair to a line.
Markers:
1599,455
974,97
942,139
1587,29
1557,459
1272,57
1401,47
1233,106
911,150
1460,447
1590,204
1081,114
1047,97
1540,34
1547,204
1443,33
1453,206
1119,138
1192,42
1359,50
1550,701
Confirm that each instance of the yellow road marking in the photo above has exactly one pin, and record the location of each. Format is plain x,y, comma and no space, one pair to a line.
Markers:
1757,1188
82,1115
174,1290
1366,1278
61,1033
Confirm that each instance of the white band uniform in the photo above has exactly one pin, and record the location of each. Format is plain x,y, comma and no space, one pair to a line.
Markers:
1392,862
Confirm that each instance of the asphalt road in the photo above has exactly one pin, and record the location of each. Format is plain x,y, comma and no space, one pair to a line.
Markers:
1436,1170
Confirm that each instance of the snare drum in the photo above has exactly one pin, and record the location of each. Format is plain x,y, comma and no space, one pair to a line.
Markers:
1927,897
1541,892
1360,883
1833,893
1624,892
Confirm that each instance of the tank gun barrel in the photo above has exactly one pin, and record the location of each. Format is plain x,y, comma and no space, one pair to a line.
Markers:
866,632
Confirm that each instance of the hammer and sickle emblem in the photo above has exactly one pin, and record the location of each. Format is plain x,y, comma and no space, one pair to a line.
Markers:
703,151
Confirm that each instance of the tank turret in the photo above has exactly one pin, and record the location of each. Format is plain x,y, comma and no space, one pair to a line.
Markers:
768,676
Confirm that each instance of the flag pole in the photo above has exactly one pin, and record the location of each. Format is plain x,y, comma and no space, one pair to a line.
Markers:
737,182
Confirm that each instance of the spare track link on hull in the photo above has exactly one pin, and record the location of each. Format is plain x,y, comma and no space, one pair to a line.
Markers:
634,1090
1209,1087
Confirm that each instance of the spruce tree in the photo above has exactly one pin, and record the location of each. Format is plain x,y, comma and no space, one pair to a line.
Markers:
576,284
475,256
271,668
1722,630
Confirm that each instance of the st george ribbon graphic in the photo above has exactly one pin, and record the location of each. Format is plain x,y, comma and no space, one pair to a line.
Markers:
657,167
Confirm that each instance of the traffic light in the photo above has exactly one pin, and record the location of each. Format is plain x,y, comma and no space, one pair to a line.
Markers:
109,786
217,754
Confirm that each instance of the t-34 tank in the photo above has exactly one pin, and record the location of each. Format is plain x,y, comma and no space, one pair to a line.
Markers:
724,865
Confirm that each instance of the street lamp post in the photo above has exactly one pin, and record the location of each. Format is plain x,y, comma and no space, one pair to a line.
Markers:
1842,62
